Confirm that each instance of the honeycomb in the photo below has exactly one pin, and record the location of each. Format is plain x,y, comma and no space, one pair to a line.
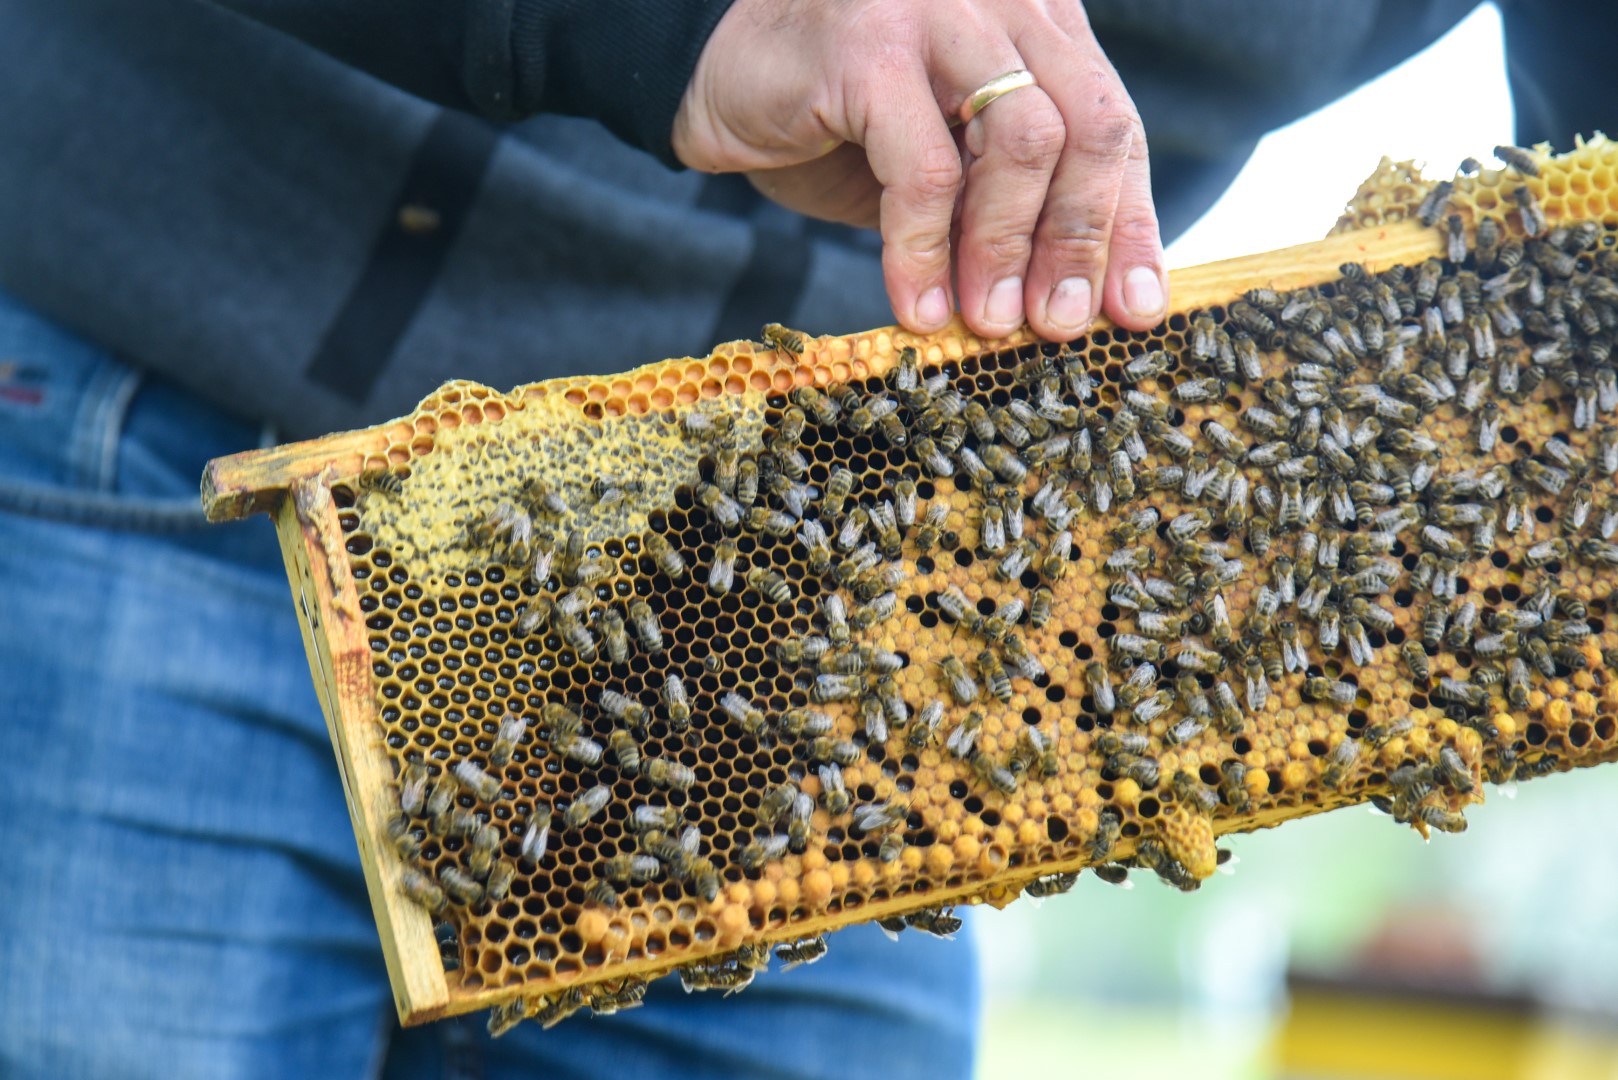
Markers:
955,619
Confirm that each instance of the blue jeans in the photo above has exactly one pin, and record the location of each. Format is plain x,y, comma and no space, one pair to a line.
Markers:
180,894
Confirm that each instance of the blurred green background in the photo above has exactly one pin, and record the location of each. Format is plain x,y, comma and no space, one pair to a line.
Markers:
1147,982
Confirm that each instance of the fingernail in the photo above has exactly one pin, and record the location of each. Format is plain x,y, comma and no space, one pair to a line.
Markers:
1005,303
932,310
1069,308
1143,292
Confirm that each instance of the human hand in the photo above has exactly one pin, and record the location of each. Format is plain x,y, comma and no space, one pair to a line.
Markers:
840,109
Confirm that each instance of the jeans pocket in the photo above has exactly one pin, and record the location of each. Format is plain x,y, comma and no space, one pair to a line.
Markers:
89,440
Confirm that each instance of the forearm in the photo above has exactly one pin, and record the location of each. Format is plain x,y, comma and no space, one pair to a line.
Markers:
623,63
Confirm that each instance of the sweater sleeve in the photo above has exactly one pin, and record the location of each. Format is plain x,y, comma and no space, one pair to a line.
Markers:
625,63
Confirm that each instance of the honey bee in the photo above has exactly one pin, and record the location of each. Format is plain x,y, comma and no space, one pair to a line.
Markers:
805,723
1233,786
1443,819
1151,364
663,773
646,626
536,836
413,788
1517,158
480,854
1109,827
577,748
1102,693
535,616
798,821
381,480
1050,885
571,603
833,795
505,743
629,995
958,681
1517,682
1152,855
963,740
1466,693
1545,552
724,509
1433,205
1053,565
423,890
769,584
932,531
1036,748
1529,211
457,821
623,708
646,818
402,837
625,750
1193,793
835,687
578,636
609,491
475,780
1022,661
938,922
763,850
762,519
994,676
1112,743
1257,683
799,952
631,869
739,709
508,522
586,805
885,522
1320,688
781,339
460,886
1339,761
663,553
615,636
442,797
706,423
877,816
599,892
802,650
1452,771
816,404
730,977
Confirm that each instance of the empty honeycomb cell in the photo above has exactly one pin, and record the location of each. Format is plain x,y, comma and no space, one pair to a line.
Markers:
1240,632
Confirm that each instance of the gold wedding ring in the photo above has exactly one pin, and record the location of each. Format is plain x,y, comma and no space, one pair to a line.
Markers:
997,87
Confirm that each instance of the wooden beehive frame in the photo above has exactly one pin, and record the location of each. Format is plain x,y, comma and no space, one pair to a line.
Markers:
294,484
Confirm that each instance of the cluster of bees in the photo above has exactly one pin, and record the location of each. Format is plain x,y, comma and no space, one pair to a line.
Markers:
1325,499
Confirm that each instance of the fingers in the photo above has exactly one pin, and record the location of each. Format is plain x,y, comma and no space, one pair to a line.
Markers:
1136,293
1097,248
914,158
836,187
1013,149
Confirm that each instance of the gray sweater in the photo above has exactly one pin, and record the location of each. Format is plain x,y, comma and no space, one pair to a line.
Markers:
303,242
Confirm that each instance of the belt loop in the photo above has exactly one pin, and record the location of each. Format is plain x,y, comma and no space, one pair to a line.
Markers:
100,424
